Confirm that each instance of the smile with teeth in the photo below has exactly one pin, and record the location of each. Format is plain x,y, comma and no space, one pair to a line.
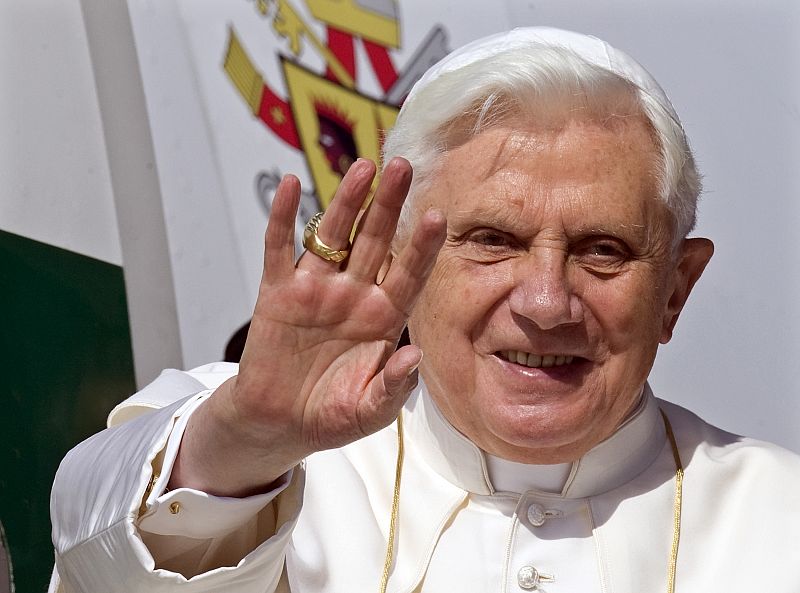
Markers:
534,360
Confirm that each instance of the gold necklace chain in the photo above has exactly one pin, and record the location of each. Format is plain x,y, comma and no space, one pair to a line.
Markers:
398,473
676,507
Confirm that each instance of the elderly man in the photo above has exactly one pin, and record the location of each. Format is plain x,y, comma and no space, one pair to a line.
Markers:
539,260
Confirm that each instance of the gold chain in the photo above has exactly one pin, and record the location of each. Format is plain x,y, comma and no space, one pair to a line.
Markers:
676,508
398,472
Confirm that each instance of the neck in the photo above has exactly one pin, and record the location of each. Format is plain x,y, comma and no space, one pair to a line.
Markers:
609,464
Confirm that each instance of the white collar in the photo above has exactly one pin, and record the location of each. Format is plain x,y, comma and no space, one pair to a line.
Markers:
511,476
610,464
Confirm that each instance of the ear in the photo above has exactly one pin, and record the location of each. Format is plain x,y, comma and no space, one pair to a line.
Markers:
695,253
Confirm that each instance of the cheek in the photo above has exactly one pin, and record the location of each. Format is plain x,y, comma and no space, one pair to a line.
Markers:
454,294
424,322
628,314
432,300
455,306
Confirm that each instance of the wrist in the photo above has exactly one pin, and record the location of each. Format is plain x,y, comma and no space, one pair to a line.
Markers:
220,457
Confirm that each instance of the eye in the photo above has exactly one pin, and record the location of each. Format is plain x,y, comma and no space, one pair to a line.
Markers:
490,238
603,255
488,245
604,249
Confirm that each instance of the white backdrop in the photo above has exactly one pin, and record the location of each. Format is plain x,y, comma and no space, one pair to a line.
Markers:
731,69
56,186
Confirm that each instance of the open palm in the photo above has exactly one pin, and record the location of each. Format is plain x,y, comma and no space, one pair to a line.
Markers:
319,369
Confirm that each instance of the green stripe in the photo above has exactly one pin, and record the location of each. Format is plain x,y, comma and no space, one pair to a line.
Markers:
66,361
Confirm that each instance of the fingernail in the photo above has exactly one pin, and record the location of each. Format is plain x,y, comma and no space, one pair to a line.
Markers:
416,366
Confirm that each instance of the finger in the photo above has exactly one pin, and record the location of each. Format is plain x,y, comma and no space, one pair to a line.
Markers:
377,226
390,389
340,216
279,253
410,269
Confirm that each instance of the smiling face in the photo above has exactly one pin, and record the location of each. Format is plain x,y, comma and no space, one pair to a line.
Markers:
556,283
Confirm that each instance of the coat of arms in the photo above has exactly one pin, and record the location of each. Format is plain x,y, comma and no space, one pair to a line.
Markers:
326,115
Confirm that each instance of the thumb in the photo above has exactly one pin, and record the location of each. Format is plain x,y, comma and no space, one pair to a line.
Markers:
390,389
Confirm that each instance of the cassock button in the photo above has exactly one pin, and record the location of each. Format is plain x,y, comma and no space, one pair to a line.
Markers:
536,515
528,578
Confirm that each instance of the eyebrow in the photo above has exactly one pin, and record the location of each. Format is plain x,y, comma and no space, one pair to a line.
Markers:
503,219
506,220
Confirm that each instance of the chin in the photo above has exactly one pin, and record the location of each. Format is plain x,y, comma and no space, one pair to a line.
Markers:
538,435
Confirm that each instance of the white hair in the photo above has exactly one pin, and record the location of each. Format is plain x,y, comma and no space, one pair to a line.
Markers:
538,84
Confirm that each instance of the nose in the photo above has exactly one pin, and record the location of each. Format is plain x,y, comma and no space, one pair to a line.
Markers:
542,291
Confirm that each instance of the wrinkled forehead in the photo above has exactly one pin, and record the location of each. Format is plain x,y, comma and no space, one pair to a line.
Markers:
549,111
580,152
606,170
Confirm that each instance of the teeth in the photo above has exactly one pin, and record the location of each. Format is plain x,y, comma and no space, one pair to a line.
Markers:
535,361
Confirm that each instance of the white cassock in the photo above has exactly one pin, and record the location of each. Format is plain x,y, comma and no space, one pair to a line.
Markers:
468,523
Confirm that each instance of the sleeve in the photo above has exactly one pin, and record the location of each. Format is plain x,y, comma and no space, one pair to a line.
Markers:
115,530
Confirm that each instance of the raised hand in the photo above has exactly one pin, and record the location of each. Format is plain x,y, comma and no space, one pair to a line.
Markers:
319,369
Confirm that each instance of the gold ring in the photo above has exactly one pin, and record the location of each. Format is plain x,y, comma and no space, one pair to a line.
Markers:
313,243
